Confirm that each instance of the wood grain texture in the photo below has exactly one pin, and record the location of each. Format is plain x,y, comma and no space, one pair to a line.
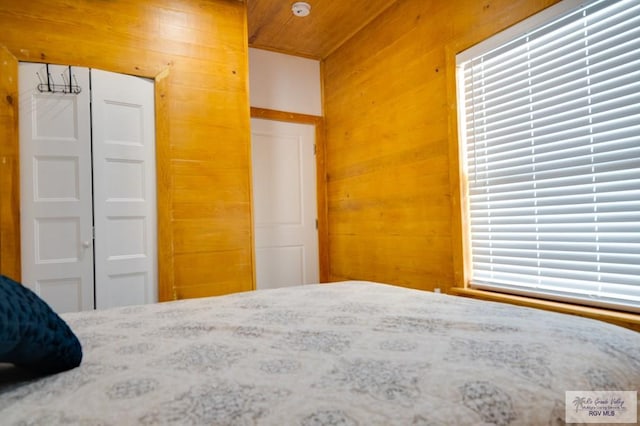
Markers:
272,25
9,168
197,52
393,189
166,277
624,319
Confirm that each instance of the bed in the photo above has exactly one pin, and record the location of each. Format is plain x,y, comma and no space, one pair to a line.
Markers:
349,353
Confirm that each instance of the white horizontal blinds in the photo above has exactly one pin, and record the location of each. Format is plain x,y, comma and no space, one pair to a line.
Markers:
552,127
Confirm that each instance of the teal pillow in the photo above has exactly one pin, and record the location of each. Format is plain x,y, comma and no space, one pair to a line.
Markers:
32,335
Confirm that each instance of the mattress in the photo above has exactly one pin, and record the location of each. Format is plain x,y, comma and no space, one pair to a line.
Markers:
350,353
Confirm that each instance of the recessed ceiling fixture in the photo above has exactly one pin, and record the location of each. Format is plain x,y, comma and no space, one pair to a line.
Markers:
301,8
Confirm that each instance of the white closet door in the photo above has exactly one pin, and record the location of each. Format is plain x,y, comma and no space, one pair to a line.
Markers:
55,189
285,203
124,189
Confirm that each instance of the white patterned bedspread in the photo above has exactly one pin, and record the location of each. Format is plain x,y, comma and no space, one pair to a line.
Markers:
352,353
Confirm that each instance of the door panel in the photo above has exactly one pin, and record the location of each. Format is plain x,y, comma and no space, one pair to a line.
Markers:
124,189
285,203
55,189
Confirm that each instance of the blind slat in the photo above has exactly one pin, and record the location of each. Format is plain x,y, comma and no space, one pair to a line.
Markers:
551,125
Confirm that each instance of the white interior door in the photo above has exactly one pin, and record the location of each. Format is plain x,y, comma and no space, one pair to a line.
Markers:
285,203
124,189
55,189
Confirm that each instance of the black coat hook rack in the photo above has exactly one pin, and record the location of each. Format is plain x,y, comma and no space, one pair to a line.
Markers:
69,84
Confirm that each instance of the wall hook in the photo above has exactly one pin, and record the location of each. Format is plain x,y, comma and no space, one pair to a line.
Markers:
50,85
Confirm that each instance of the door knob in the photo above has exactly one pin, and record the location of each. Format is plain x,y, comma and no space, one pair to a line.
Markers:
86,244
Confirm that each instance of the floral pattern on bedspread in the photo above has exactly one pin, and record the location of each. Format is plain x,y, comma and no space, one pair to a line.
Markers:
352,353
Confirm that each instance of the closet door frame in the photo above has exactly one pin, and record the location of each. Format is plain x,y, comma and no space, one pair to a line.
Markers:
10,259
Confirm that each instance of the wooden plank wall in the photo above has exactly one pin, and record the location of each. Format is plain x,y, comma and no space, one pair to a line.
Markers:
9,162
391,150
197,51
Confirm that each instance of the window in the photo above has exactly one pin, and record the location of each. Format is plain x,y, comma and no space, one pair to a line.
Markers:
549,122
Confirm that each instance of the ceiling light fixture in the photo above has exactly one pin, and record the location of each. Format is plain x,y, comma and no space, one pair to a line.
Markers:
301,8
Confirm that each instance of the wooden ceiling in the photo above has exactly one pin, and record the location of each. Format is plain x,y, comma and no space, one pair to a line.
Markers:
273,26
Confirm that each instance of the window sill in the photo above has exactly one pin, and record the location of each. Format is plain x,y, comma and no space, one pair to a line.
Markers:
624,319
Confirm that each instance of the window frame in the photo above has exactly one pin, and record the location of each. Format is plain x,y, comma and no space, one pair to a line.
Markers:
460,201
